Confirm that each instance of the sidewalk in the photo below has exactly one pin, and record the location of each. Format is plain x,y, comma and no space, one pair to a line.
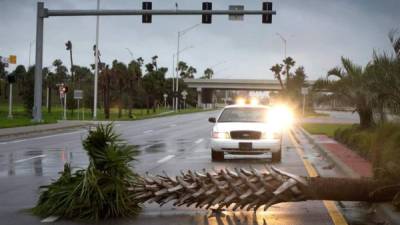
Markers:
352,165
26,130
351,159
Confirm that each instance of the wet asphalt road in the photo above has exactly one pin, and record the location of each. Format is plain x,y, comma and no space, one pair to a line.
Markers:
166,144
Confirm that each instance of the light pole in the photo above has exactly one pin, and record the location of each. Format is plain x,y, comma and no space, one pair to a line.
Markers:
130,52
96,64
283,40
180,34
30,50
173,73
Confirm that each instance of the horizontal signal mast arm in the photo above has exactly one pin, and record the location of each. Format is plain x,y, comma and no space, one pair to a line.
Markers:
48,13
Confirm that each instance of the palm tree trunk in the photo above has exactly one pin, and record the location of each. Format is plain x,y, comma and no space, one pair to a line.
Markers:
366,117
251,189
131,100
49,106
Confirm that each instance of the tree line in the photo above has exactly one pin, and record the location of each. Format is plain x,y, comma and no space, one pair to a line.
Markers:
123,86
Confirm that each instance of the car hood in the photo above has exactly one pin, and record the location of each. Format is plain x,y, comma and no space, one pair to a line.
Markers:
227,127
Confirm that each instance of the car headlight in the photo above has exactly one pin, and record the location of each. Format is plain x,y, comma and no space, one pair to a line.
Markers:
270,135
221,135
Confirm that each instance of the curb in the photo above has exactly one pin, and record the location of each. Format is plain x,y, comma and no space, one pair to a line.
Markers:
343,167
385,209
41,130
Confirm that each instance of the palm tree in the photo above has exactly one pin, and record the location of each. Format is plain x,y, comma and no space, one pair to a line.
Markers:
134,74
395,41
289,63
154,61
105,84
351,87
191,71
277,69
182,69
120,73
208,74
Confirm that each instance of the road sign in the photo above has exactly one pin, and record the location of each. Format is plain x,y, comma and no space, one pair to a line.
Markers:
304,91
12,59
78,94
236,8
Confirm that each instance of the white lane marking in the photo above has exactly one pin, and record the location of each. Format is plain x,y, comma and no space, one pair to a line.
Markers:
166,158
30,158
38,138
50,219
148,131
199,141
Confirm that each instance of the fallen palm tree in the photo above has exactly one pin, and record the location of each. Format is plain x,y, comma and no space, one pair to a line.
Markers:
108,187
251,189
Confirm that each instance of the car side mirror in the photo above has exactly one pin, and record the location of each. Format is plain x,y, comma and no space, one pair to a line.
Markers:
212,120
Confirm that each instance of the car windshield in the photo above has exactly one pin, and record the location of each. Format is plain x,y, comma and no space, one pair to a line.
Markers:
244,115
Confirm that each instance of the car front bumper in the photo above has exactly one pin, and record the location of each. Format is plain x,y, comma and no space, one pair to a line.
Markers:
257,146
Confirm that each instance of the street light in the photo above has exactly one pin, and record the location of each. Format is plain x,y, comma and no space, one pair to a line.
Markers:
176,69
130,52
30,50
283,40
180,34
96,64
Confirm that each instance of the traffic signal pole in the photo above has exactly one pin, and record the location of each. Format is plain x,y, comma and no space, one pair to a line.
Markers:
37,107
43,13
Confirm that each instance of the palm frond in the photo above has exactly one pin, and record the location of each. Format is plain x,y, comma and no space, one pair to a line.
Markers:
102,189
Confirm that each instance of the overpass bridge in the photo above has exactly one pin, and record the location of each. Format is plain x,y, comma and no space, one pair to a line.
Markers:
205,87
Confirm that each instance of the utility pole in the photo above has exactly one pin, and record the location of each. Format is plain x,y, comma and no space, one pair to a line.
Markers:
96,64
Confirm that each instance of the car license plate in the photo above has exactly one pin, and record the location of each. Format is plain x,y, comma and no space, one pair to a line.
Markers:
245,146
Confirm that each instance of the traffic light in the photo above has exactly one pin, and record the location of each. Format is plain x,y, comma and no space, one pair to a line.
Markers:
68,45
206,18
146,18
267,18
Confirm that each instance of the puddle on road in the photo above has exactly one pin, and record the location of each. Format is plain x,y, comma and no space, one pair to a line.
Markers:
40,161
156,148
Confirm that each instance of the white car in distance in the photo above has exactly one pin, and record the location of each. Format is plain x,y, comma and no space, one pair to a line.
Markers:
248,130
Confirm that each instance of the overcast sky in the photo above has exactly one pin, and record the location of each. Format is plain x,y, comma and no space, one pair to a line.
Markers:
318,33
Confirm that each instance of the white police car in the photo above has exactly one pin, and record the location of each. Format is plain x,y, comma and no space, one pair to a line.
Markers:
248,129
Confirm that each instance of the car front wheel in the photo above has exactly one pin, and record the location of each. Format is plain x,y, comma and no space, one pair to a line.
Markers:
217,156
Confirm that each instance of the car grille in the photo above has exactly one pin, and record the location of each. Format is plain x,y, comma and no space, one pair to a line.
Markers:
245,135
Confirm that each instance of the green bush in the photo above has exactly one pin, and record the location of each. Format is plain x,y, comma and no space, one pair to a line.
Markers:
381,145
100,191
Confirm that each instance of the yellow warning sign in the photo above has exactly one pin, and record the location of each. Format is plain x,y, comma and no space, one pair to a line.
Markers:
12,59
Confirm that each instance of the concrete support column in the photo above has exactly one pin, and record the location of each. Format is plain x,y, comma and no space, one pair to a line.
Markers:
199,101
